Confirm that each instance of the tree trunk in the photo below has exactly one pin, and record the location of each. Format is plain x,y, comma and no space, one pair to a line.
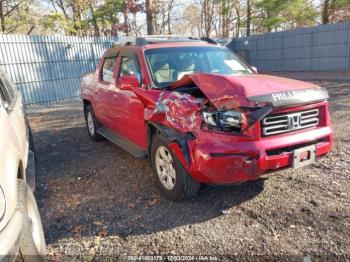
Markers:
135,24
162,29
75,19
169,22
249,16
325,12
238,22
208,17
126,23
2,18
94,22
149,17
238,25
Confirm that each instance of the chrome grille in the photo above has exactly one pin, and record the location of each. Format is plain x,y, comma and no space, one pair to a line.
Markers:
283,123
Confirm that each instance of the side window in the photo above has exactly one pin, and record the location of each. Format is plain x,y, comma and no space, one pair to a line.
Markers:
107,69
127,67
7,92
2,92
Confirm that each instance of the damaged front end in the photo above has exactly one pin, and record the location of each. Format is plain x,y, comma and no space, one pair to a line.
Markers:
182,110
212,123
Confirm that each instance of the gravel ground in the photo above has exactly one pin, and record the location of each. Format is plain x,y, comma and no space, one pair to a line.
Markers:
97,200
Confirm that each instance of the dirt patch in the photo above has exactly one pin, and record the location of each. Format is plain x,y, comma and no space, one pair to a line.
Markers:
97,200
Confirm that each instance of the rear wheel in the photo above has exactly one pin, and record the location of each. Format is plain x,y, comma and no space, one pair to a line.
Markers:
171,178
92,124
32,243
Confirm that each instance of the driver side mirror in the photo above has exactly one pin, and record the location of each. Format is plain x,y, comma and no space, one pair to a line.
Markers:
128,82
255,70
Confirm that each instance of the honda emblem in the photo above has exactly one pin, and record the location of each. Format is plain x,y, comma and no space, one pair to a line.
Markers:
293,121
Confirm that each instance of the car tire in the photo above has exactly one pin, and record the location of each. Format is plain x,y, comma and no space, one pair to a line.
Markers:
32,241
92,124
171,178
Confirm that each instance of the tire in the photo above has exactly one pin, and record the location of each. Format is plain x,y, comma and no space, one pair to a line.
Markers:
32,243
180,185
92,124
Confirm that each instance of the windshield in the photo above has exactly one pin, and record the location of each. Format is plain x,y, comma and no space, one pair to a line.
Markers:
168,65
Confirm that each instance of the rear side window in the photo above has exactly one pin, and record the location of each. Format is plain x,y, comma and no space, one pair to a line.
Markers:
108,68
2,92
8,91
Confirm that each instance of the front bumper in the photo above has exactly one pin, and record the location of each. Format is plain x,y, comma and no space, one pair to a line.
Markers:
10,237
223,159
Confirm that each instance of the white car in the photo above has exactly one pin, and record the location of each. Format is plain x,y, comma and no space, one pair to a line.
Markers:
20,224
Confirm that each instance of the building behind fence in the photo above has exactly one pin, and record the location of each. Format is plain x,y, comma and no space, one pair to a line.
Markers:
48,69
320,48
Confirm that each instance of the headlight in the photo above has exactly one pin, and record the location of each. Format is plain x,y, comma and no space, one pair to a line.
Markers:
2,203
227,121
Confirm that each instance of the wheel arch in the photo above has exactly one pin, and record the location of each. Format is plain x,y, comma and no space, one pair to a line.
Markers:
86,103
21,174
172,136
152,131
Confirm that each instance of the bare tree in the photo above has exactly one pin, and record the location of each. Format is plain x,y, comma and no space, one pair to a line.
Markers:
335,11
325,12
208,12
249,17
149,17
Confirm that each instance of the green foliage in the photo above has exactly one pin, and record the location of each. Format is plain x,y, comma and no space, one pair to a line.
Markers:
225,17
300,13
15,15
276,14
107,14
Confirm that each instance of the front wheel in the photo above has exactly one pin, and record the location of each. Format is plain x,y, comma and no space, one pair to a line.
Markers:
171,178
32,245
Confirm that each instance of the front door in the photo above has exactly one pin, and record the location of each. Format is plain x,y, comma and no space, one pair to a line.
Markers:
128,108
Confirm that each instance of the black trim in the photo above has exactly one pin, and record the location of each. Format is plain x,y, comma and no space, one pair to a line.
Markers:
292,97
174,136
123,143
258,115
209,40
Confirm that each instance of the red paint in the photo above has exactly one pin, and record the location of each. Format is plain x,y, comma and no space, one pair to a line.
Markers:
218,158
227,91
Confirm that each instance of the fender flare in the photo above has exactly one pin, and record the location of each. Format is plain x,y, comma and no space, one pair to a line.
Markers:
173,136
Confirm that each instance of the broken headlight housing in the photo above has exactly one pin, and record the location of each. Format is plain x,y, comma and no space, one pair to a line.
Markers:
227,121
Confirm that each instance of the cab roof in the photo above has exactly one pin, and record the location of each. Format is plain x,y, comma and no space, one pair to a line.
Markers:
156,41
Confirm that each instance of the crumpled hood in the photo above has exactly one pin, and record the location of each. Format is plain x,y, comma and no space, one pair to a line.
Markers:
228,91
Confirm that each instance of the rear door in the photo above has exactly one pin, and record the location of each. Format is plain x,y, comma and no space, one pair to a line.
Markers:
105,82
128,109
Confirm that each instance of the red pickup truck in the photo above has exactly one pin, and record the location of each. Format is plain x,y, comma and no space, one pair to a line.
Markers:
201,115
